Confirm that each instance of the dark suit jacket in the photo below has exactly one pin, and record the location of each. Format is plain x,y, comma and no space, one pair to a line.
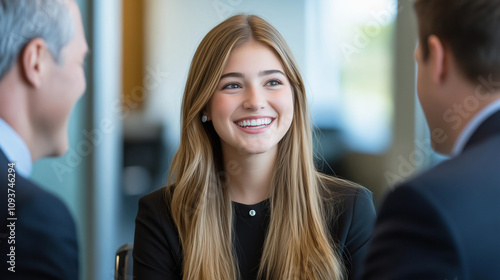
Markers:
158,253
45,238
444,224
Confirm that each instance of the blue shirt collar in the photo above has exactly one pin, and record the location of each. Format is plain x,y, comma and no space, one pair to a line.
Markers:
15,149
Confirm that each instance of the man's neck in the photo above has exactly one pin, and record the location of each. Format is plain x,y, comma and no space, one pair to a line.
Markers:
14,109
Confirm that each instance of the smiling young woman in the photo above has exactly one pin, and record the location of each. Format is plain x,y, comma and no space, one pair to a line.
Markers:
244,199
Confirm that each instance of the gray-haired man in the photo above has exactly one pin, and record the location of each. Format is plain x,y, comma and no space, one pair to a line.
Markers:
42,50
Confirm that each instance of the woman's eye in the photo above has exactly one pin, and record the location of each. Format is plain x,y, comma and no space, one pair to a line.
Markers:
231,86
273,83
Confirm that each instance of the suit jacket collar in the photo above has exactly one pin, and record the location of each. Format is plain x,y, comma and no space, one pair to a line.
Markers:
490,127
3,157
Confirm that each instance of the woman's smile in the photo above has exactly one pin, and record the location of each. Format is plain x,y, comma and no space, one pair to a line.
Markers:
255,124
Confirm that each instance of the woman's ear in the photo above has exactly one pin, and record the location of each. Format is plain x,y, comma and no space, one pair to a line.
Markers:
206,113
437,60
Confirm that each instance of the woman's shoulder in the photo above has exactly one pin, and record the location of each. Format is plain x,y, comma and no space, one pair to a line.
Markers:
157,202
154,213
343,192
351,205
155,198
353,219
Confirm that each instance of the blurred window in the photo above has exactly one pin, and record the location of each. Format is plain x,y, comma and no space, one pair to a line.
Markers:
350,53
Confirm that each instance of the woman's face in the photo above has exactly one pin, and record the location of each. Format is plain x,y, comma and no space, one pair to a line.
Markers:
252,107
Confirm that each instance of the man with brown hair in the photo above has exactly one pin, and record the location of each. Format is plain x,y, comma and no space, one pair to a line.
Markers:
445,223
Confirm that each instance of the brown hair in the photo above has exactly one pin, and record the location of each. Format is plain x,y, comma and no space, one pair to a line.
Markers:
470,28
298,244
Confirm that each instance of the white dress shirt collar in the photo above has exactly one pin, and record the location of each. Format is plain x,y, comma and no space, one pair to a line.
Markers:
15,149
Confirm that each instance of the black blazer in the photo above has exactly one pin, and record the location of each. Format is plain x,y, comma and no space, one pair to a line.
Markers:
158,253
45,238
444,224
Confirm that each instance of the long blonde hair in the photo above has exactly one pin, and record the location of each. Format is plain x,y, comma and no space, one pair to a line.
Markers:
298,244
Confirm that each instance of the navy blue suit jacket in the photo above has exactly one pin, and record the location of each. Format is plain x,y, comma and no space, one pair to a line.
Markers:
444,224
45,237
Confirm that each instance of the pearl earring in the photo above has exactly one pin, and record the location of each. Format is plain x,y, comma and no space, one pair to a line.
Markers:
204,119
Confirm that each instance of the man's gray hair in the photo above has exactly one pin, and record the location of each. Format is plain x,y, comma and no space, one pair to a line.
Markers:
24,20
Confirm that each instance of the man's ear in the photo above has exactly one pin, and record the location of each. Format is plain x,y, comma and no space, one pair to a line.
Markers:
437,59
32,60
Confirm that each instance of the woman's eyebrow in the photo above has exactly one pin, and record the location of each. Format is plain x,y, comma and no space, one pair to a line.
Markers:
232,74
269,72
261,73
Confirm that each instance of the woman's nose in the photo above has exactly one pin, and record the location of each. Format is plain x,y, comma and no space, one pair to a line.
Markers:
254,99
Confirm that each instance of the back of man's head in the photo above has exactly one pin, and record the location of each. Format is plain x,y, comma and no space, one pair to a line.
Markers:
24,20
470,28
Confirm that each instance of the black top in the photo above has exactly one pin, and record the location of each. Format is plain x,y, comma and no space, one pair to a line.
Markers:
158,254
43,236
250,225
445,223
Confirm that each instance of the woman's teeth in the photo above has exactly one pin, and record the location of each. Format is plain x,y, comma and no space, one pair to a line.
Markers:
255,123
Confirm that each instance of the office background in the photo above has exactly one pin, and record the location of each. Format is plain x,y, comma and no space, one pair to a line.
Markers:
356,57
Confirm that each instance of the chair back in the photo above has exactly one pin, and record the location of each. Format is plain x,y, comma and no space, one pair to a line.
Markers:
124,262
